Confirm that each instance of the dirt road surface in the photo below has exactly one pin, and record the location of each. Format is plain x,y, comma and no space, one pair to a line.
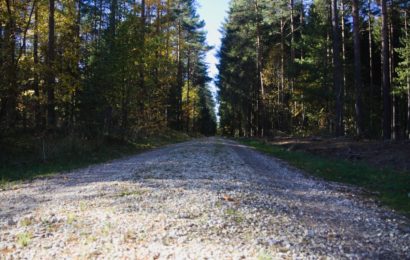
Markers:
208,198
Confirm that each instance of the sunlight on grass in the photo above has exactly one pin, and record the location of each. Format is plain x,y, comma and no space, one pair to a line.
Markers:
389,186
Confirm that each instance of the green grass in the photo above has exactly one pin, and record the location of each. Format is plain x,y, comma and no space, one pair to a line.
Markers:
27,157
235,215
127,193
24,239
392,188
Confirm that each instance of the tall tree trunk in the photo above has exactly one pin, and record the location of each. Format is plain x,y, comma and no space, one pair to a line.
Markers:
337,70
73,104
2,75
112,21
343,31
394,133
328,62
142,51
408,77
372,92
385,73
292,60
260,92
282,60
292,31
158,34
37,111
180,79
302,14
51,115
8,109
357,68
188,80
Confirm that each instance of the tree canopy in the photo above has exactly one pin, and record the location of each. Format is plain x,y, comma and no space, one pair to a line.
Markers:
114,67
315,67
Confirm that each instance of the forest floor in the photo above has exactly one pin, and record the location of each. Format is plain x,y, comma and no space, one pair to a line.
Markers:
208,197
381,154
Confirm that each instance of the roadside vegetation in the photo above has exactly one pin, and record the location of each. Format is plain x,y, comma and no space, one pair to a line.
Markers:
391,187
28,157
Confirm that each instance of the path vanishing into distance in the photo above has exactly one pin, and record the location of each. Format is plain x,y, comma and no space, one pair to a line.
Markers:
208,198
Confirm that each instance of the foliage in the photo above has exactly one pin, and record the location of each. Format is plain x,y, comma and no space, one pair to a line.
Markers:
278,71
112,67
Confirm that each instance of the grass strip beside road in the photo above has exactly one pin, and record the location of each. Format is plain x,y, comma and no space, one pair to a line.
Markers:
26,158
392,188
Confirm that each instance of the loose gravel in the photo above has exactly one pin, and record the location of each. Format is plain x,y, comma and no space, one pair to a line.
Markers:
205,199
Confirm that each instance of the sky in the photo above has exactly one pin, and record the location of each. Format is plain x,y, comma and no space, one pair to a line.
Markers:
214,13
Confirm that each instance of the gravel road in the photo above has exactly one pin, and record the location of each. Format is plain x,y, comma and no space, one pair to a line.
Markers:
209,198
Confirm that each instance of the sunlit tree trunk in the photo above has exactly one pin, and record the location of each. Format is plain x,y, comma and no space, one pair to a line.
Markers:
337,70
51,115
180,80
357,68
37,111
282,60
260,92
188,89
292,60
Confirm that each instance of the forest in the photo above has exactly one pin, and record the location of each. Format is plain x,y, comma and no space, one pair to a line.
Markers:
123,137
103,68
133,68
321,67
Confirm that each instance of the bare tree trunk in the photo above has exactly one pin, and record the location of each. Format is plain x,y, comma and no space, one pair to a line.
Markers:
292,31
357,68
325,82
8,109
78,69
372,93
113,20
337,70
292,60
51,115
180,80
282,61
37,112
143,22
407,78
157,32
391,76
343,28
188,90
302,13
260,92
385,73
